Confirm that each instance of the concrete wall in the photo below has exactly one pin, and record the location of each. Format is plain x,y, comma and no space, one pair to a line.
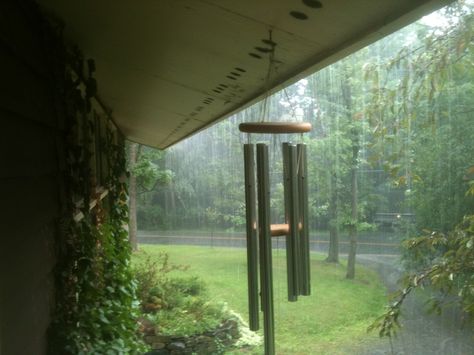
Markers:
30,151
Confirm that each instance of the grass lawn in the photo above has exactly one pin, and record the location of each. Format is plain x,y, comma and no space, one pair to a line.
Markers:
333,320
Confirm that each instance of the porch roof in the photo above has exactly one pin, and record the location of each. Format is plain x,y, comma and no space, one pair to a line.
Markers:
170,68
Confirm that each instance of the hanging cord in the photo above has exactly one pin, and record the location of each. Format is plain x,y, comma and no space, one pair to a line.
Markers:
298,161
271,63
292,109
293,115
299,156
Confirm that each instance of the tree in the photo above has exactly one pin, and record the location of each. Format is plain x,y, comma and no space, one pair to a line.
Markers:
424,119
419,109
354,165
336,91
329,161
145,176
450,275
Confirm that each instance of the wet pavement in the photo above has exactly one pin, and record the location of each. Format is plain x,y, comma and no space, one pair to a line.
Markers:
421,333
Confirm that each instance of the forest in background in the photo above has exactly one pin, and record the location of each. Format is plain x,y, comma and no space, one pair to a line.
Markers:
390,156
392,130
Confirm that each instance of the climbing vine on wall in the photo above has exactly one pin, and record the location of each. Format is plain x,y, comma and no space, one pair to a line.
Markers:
95,303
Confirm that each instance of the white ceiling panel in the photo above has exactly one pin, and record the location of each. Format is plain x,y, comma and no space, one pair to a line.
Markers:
169,68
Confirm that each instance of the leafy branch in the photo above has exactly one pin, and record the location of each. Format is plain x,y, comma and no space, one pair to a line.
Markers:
451,274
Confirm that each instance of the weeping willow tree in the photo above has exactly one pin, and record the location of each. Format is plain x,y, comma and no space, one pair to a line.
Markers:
420,111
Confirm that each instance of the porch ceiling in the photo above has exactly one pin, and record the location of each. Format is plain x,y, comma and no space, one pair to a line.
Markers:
169,68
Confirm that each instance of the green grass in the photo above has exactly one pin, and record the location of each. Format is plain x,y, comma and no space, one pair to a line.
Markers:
333,320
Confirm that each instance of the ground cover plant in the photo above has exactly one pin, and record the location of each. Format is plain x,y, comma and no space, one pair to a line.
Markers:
334,318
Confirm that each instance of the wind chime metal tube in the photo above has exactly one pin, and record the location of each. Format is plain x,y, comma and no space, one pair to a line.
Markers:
252,240
291,216
260,230
305,280
266,276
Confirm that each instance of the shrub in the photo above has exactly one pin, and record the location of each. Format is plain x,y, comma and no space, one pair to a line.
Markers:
176,305
154,286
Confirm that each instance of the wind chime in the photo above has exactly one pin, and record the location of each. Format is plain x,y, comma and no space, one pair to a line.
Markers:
260,230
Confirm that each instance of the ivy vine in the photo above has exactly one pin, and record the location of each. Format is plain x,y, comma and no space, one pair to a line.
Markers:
95,303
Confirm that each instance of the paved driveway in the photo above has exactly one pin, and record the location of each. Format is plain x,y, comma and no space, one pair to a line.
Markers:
421,334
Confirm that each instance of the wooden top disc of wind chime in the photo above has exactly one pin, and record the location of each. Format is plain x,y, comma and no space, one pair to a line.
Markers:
275,127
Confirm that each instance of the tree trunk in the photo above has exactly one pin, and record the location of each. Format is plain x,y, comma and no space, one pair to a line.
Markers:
353,225
132,195
354,135
333,253
174,220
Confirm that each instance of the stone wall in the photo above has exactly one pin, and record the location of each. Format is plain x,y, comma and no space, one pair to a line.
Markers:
211,342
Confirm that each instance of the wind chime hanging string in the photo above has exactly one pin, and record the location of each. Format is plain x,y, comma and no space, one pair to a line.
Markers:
271,64
259,228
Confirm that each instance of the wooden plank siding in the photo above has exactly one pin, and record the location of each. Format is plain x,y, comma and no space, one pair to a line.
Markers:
32,165
29,182
21,32
21,161
25,93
